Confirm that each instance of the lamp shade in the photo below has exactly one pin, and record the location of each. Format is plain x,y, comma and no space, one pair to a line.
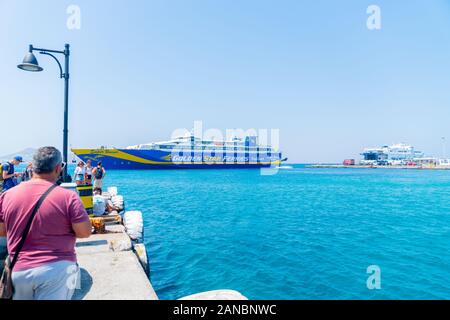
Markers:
30,63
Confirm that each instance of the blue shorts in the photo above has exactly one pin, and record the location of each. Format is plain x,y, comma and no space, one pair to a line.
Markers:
8,184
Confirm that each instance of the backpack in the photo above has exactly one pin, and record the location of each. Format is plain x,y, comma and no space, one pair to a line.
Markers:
98,173
1,170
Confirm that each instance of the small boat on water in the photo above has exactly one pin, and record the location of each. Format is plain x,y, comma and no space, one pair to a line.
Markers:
187,152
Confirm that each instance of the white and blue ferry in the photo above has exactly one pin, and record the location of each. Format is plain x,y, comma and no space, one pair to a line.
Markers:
396,154
187,152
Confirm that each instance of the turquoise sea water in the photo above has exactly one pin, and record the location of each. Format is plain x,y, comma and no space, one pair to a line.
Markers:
300,234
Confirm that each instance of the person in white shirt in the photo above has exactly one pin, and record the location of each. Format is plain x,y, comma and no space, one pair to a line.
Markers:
101,205
79,173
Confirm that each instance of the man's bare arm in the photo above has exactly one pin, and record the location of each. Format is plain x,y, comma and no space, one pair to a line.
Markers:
82,229
6,175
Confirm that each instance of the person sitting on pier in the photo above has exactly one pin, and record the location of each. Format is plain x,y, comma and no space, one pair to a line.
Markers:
45,267
101,205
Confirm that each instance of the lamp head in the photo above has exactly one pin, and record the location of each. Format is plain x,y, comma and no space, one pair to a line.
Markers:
30,63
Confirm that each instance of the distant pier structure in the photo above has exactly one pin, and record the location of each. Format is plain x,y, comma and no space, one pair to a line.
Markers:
399,156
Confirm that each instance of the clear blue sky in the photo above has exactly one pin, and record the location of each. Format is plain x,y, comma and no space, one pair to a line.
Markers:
141,69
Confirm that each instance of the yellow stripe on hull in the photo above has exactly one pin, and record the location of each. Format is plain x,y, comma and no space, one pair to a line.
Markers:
114,153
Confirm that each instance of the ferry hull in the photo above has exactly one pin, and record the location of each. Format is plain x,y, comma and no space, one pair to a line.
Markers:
126,159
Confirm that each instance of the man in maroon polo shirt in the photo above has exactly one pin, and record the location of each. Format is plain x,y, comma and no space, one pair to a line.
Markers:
47,259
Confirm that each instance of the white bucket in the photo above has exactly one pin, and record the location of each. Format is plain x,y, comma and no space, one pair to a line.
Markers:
134,224
69,186
112,191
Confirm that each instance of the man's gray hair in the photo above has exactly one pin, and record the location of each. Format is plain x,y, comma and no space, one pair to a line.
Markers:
46,159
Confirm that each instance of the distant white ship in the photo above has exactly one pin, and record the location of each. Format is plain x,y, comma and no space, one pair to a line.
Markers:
396,154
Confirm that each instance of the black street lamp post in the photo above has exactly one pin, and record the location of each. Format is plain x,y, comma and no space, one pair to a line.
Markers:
30,63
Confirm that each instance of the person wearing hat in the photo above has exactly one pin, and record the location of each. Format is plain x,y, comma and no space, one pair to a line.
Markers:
9,173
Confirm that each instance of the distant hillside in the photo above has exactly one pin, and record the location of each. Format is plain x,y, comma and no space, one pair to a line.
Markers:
27,155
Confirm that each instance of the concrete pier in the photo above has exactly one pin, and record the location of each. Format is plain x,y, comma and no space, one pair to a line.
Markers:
110,270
